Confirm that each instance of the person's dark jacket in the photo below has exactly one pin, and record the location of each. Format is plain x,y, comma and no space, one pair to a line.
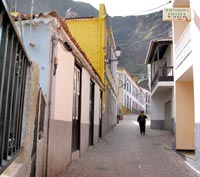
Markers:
142,119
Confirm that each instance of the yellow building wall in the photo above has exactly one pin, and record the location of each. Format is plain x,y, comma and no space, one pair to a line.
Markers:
185,137
87,34
91,35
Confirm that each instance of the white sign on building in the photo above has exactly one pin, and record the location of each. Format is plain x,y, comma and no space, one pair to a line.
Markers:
177,14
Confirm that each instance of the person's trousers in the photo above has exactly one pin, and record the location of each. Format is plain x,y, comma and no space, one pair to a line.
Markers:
142,127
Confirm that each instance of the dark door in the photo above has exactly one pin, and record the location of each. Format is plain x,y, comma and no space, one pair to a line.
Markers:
91,114
76,110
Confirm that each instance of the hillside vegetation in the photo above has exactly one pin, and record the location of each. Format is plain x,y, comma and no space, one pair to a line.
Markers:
132,33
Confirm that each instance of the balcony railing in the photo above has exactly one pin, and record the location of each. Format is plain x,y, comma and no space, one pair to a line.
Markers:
183,47
163,74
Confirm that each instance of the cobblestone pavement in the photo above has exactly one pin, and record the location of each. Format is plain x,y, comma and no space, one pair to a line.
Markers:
126,153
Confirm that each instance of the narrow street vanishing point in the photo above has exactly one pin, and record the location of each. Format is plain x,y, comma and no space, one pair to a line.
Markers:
126,153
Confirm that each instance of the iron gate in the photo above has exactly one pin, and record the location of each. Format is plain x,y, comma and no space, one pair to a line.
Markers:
13,67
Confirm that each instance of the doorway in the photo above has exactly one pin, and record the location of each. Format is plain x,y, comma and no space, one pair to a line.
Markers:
76,110
91,114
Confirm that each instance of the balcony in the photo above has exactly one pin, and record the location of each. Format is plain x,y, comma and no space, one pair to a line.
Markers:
164,74
183,47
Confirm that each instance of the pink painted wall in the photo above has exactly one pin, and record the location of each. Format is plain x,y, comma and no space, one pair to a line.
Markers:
60,140
64,85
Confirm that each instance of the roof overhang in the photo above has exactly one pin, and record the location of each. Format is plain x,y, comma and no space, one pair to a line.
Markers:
157,47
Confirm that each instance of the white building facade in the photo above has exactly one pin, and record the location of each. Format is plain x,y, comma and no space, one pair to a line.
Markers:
131,98
160,59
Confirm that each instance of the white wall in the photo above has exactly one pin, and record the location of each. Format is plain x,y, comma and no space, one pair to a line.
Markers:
158,104
97,104
85,98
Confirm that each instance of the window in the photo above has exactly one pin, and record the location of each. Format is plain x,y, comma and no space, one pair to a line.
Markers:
127,84
76,95
76,109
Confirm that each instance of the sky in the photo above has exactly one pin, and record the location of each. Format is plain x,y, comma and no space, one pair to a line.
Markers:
129,7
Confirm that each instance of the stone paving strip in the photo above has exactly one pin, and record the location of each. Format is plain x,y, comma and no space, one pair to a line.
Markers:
126,153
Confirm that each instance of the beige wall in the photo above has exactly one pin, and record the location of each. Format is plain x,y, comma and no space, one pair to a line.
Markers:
96,113
178,29
196,56
96,106
184,115
85,97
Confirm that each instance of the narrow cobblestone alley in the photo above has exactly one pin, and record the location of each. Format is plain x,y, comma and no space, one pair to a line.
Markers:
126,153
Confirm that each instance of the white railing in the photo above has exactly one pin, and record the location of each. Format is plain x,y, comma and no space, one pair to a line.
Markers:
183,47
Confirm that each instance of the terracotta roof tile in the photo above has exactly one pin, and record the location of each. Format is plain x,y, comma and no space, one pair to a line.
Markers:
17,16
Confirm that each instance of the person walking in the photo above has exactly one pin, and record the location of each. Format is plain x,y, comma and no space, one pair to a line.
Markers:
142,122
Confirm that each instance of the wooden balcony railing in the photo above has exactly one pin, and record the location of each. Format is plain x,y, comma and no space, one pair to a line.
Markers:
163,74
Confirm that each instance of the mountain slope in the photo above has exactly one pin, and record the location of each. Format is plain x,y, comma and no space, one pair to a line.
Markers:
61,6
132,33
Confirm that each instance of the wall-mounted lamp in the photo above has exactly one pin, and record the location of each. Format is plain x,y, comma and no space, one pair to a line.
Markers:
118,53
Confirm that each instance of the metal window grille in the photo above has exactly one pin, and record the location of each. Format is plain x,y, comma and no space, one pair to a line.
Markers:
13,67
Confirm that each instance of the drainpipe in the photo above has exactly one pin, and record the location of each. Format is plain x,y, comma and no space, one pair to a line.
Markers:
54,44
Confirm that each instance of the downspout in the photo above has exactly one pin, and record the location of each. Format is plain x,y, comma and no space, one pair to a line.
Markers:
53,46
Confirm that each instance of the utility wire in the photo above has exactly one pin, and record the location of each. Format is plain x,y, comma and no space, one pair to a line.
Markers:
152,8
145,39
122,30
